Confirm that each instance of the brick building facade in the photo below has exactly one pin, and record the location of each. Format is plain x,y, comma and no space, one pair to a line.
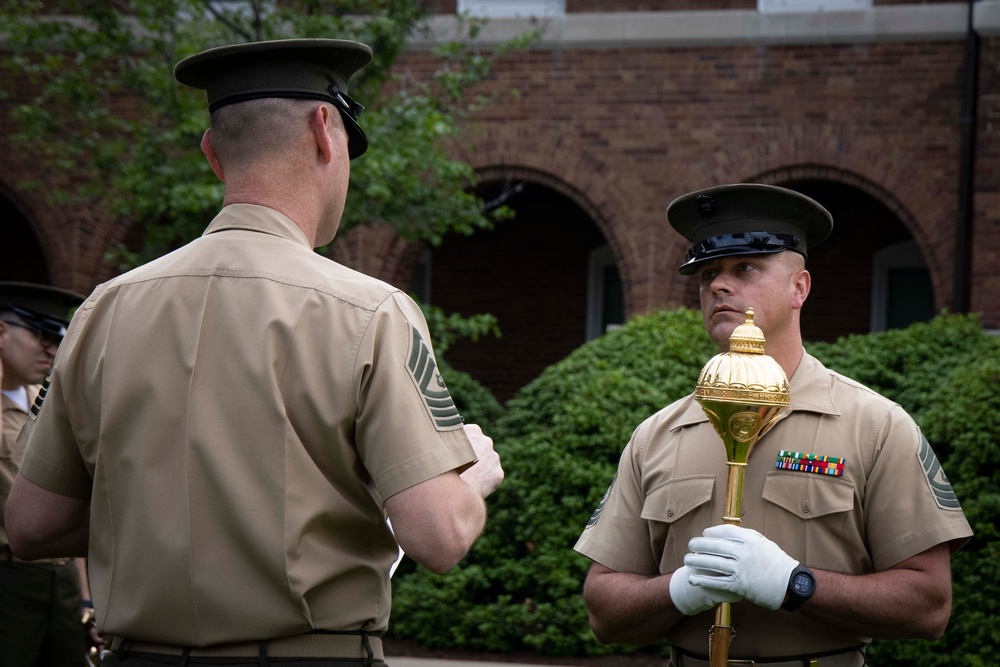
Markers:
624,105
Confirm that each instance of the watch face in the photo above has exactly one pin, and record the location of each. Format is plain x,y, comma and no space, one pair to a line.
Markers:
803,584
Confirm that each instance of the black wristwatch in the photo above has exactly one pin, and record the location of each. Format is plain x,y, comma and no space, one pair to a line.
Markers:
801,586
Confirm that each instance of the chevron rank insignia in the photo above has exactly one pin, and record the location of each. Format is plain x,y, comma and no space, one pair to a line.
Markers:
600,508
423,369
937,481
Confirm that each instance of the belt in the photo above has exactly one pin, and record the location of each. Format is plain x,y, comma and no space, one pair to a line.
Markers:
312,645
7,556
848,657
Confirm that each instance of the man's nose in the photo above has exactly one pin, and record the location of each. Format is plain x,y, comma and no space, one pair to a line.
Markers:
720,284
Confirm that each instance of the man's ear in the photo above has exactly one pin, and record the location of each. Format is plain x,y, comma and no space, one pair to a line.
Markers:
802,285
213,160
321,126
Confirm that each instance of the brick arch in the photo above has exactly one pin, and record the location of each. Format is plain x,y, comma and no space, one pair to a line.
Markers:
73,237
557,162
923,202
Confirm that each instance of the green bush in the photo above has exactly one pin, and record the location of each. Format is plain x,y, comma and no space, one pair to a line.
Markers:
474,401
965,414
560,441
562,435
909,365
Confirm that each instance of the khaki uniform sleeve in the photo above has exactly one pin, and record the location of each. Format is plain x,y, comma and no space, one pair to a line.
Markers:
910,505
51,456
408,428
617,536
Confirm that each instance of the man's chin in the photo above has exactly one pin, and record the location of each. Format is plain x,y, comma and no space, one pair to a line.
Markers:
720,329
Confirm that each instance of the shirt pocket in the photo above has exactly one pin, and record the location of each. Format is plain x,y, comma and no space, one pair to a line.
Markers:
676,511
811,518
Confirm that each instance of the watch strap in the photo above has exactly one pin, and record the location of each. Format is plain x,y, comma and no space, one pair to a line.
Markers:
795,598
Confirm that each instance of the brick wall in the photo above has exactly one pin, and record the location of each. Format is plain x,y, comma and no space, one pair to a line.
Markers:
985,276
531,273
636,128
870,129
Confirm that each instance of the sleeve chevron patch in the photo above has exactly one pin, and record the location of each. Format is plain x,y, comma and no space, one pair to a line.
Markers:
937,481
423,369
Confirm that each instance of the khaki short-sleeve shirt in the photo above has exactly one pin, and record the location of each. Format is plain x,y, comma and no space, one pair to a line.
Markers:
13,417
891,502
237,412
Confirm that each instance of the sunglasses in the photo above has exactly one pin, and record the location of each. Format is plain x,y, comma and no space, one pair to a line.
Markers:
44,337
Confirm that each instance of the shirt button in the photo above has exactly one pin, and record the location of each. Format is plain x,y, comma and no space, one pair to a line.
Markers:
670,512
806,509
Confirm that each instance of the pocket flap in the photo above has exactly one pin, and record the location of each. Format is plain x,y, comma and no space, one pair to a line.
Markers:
808,496
674,499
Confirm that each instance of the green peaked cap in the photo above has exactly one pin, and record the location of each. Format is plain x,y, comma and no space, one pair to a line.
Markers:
288,68
746,219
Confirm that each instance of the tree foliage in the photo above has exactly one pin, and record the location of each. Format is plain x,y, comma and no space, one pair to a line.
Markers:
99,111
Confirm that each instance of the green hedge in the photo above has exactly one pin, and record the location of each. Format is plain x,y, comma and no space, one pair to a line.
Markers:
963,418
562,435
560,440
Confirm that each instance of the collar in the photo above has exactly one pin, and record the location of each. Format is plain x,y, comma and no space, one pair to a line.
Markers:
254,218
19,397
809,389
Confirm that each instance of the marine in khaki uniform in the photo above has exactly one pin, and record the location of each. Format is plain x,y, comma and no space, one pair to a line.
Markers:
40,601
866,537
241,416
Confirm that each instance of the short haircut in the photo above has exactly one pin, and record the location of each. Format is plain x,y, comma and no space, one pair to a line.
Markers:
267,127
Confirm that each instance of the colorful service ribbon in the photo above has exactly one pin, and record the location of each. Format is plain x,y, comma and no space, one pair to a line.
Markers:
814,463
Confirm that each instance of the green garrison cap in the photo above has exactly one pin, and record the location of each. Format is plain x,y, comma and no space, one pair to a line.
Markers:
46,308
746,219
289,68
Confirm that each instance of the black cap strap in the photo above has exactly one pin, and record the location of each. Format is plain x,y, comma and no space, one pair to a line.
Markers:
762,241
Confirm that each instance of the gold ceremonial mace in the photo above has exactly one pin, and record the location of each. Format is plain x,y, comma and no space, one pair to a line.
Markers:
743,392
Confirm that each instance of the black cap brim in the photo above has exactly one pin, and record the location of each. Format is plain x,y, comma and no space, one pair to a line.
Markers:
42,306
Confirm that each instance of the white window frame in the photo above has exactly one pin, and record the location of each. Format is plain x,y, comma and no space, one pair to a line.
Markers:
597,261
496,9
811,6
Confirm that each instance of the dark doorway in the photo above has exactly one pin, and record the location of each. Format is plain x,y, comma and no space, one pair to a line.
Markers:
846,290
21,257
532,274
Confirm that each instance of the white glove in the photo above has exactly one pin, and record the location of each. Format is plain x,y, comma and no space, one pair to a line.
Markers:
741,561
486,474
691,600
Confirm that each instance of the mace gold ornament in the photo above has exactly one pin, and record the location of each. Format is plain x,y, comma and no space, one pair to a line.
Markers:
743,393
